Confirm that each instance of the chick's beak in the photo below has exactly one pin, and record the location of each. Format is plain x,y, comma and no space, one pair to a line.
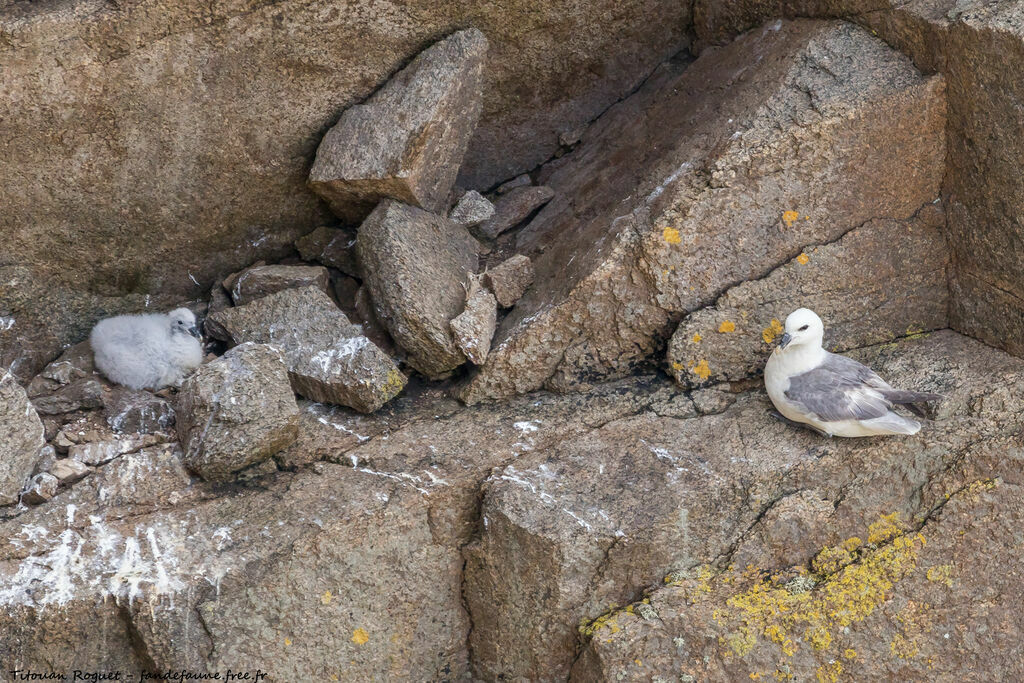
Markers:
194,331
784,342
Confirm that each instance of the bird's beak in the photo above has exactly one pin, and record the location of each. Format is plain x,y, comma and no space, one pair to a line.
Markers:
194,331
784,342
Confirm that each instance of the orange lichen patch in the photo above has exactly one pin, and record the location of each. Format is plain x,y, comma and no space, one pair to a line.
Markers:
769,333
326,598
853,580
360,636
287,641
803,259
696,338
727,326
702,369
671,235
790,217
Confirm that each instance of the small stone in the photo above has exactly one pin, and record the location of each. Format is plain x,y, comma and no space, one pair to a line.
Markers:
261,469
99,452
260,281
76,362
510,279
414,265
509,185
62,442
513,208
474,327
472,210
21,439
42,488
82,394
136,412
237,411
332,247
229,282
47,457
328,358
68,471
407,140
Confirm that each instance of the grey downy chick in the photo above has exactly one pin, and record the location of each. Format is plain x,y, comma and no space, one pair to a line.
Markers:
149,351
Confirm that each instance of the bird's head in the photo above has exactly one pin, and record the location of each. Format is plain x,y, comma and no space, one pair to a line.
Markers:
183,321
803,327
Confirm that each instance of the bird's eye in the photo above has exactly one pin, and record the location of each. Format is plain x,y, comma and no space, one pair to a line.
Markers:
803,328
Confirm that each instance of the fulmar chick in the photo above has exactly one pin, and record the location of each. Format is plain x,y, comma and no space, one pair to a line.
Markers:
833,395
149,351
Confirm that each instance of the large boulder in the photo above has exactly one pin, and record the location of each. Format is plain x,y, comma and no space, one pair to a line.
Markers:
416,266
295,576
884,280
713,173
591,523
237,411
21,438
407,141
126,177
976,46
328,358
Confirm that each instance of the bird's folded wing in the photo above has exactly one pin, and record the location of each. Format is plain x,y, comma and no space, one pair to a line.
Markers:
839,390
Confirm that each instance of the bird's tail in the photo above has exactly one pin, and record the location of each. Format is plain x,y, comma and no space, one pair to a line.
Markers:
910,399
904,397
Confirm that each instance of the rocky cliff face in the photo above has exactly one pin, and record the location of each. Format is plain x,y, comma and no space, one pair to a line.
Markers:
371,482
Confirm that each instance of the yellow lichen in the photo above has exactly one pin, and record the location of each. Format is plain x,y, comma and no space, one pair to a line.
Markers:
853,581
772,331
803,259
702,369
287,641
677,366
727,326
326,598
671,235
790,217
942,573
829,673
903,647
696,338
360,636
850,653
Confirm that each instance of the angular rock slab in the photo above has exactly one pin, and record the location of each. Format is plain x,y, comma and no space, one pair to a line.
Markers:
513,208
21,438
407,140
474,327
712,174
237,411
415,266
295,576
332,247
592,522
881,281
933,601
510,279
138,412
472,209
328,358
260,281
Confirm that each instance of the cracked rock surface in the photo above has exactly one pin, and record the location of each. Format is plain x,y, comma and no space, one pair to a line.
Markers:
713,173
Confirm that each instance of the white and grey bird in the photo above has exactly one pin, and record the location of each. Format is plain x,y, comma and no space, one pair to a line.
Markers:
833,395
149,351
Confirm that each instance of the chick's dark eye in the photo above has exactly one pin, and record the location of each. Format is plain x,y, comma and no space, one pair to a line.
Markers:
803,328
